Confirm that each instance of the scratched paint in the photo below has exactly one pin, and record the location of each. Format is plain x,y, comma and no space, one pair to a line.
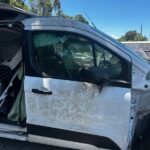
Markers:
81,107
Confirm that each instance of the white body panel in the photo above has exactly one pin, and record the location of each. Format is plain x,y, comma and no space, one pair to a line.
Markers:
81,107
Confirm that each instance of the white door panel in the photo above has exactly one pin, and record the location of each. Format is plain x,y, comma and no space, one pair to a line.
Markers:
79,106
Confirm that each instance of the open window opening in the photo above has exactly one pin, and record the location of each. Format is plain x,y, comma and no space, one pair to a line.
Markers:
11,77
69,56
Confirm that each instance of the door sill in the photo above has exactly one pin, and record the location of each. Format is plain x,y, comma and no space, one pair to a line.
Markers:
13,132
12,128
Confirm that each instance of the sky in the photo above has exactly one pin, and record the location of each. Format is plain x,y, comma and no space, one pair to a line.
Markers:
114,17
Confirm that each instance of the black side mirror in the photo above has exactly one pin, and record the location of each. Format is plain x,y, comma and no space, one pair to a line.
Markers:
95,75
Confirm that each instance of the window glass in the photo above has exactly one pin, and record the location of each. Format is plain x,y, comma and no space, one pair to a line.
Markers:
62,55
116,67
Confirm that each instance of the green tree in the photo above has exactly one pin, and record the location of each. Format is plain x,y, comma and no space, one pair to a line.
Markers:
45,7
78,17
5,1
133,36
57,7
33,6
17,3
81,18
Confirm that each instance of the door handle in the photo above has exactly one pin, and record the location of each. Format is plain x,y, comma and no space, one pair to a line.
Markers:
37,91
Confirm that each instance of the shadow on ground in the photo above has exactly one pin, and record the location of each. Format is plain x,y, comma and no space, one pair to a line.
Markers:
143,143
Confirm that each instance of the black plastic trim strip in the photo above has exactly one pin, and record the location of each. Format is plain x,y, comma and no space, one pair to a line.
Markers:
119,84
98,141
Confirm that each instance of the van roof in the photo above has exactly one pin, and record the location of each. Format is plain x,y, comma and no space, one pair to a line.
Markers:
54,21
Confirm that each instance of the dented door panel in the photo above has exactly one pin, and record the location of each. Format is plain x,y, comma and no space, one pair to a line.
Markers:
80,107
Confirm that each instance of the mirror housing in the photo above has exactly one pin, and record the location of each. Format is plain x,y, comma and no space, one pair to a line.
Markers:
95,75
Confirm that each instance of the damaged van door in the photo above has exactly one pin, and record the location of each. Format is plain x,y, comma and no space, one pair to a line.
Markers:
83,89
77,87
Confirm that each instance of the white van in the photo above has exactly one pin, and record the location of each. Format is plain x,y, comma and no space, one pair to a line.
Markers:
66,84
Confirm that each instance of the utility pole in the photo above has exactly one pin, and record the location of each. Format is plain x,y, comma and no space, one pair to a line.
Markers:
141,29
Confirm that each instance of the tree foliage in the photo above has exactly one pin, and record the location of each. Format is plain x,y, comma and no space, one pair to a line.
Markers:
133,36
5,1
17,3
78,17
49,7
57,7
81,18
44,8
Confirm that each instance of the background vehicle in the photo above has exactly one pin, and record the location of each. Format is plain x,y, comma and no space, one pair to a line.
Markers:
53,96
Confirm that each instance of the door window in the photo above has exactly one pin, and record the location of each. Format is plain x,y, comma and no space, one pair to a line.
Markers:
116,67
62,55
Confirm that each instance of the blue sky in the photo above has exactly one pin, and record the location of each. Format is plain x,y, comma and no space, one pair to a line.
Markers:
113,17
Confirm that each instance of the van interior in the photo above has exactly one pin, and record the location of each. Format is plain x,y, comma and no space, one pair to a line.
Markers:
12,105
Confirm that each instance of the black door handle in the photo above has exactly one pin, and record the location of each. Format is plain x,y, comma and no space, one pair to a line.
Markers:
41,92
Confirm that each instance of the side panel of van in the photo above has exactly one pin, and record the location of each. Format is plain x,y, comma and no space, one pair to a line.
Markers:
61,104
